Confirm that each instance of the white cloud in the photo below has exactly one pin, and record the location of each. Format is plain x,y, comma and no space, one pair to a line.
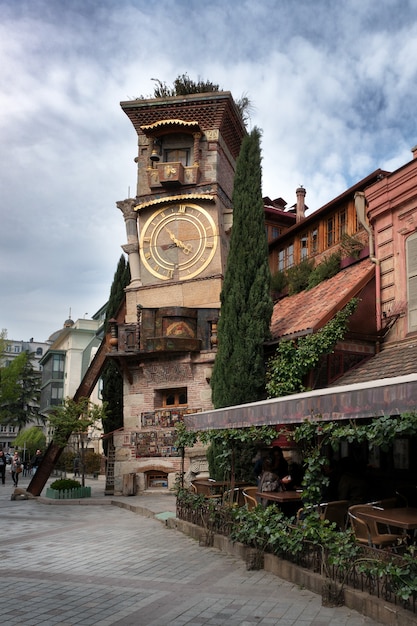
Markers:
332,88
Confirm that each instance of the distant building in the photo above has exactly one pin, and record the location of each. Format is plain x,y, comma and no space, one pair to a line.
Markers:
68,357
36,349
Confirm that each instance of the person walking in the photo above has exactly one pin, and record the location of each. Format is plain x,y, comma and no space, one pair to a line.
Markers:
16,468
3,464
36,461
76,466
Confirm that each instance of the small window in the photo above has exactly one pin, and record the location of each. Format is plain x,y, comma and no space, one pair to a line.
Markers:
342,224
57,394
177,155
39,351
304,247
281,260
58,363
411,248
174,397
330,232
314,241
290,255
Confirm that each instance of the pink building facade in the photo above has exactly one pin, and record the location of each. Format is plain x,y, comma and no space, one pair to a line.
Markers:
392,214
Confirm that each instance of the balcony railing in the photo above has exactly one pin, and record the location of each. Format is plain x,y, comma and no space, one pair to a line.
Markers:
172,174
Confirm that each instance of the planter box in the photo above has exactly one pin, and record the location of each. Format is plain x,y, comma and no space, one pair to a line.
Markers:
68,494
350,260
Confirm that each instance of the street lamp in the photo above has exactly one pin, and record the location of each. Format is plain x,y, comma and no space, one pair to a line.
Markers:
84,438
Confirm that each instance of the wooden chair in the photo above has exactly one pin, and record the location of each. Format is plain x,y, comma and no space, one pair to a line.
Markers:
250,501
367,532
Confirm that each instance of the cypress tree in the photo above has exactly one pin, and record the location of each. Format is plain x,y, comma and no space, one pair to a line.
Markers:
246,305
111,376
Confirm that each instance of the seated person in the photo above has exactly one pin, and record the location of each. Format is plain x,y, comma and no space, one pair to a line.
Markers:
279,464
269,481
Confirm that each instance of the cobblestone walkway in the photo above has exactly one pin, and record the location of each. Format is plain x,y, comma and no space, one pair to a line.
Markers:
84,565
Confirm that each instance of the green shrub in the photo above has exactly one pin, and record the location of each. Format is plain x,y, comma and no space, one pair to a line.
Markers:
92,462
329,267
351,246
298,276
278,282
64,484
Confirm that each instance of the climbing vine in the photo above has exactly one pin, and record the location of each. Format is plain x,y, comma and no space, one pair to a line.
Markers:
294,359
313,435
234,448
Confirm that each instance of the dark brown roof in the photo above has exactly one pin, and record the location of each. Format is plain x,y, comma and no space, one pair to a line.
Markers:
213,110
397,359
308,311
330,206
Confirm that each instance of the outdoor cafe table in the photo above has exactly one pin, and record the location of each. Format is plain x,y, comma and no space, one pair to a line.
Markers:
282,497
405,517
288,501
216,486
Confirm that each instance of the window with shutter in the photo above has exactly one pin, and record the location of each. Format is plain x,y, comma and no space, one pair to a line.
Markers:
411,247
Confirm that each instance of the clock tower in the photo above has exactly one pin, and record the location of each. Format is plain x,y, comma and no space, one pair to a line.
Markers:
178,229
187,149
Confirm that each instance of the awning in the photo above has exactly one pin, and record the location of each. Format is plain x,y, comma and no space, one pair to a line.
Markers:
386,396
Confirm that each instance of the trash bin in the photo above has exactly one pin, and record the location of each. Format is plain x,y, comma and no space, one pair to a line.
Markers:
129,484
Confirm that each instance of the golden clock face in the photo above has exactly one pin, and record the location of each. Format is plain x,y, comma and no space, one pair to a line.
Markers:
178,241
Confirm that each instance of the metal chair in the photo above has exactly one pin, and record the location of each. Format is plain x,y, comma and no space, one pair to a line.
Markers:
335,512
204,490
250,501
367,532
233,497
386,503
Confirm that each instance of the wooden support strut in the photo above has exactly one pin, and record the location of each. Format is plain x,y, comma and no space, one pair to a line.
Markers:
53,452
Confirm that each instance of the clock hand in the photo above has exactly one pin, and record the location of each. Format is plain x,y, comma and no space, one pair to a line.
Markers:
185,247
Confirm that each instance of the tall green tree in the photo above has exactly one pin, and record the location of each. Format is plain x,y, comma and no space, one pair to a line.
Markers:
246,305
111,376
75,418
29,440
3,343
19,392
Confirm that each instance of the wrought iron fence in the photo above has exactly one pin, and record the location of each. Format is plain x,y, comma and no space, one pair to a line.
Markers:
217,518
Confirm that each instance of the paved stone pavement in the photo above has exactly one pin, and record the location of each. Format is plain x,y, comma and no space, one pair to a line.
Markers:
80,565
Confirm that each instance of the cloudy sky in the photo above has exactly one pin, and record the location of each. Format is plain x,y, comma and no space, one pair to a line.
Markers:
332,86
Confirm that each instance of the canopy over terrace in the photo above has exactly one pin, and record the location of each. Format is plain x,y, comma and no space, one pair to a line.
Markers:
386,396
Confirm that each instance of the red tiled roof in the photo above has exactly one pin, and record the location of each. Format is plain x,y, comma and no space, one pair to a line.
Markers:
398,359
308,311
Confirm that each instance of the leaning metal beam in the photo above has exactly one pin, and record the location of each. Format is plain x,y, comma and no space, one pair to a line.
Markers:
53,452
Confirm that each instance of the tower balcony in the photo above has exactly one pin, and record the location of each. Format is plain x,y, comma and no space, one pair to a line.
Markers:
172,174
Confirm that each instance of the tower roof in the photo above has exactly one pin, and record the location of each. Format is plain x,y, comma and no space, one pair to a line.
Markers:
210,111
